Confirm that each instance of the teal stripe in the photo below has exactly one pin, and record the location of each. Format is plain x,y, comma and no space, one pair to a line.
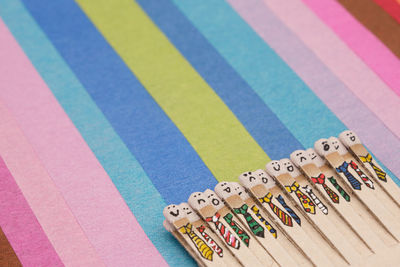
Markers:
126,173
293,102
269,76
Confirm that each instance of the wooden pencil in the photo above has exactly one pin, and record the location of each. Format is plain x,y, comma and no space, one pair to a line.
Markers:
244,207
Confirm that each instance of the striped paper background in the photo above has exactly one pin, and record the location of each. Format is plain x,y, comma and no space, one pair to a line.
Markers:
111,110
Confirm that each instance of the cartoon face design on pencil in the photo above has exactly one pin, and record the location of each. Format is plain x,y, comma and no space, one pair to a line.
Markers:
173,213
312,154
188,212
224,190
323,147
274,168
337,145
249,179
239,190
300,158
266,180
214,199
315,158
348,138
198,200
290,168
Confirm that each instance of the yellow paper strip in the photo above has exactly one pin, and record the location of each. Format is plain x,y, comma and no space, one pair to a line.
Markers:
211,128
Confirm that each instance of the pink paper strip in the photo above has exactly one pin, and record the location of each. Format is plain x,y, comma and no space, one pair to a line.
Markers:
20,226
347,66
363,42
43,196
100,210
336,96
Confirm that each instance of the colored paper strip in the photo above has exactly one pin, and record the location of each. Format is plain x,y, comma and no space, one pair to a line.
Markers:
248,107
380,23
210,127
281,89
100,210
43,197
349,68
7,253
161,149
362,42
19,224
391,7
336,96
128,176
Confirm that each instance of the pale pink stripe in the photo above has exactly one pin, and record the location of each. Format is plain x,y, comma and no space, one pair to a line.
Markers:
92,197
363,42
20,226
44,197
346,65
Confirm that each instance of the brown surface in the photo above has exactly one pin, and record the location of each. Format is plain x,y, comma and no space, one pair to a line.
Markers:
374,18
235,201
302,180
311,170
359,149
8,258
259,191
285,179
182,222
334,159
207,211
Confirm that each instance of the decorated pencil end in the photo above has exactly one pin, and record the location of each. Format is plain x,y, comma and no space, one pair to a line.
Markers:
274,168
315,158
323,147
240,190
173,213
188,212
265,179
249,179
224,190
289,167
337,145
300,158
198,200
349,138
214,199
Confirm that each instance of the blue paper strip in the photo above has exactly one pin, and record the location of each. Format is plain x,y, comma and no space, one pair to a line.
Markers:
248,107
